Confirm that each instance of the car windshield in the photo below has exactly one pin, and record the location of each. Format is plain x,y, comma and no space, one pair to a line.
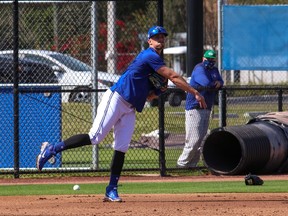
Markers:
71,62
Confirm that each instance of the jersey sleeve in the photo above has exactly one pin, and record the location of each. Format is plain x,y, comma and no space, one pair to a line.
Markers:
200,77
155,61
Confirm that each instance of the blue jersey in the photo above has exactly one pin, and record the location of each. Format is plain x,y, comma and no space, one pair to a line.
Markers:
134,85
205,79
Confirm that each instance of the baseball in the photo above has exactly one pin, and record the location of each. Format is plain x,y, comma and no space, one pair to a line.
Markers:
76,187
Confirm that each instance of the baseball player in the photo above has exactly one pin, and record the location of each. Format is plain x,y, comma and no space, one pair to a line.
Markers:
205,76
118,106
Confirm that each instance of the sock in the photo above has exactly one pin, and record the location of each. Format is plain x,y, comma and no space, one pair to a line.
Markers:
73,142
116,167
114,180
58,147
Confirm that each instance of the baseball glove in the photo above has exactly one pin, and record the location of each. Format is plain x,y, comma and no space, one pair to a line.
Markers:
253,180
158,81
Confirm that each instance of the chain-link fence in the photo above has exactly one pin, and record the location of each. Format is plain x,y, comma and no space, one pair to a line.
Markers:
70,52
258,79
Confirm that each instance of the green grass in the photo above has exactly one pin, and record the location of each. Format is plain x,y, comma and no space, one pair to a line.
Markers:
146,122
279,186
138,157
146,158
77,118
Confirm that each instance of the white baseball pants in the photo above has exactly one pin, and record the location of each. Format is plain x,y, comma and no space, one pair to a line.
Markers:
114,112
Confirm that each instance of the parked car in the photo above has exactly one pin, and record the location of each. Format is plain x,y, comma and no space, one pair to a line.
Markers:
29,72
71,73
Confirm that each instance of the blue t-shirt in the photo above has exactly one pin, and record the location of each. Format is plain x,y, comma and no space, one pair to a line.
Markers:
205,79
134,85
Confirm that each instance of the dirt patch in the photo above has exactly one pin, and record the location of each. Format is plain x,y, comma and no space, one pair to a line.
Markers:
146,204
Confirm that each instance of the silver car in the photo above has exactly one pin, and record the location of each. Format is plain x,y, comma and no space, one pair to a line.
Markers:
72,74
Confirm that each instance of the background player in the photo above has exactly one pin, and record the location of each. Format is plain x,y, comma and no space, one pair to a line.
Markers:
205,76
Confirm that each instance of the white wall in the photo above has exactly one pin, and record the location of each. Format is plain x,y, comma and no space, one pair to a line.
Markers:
263,77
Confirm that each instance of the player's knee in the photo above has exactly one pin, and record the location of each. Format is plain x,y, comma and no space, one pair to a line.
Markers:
123,149
94,139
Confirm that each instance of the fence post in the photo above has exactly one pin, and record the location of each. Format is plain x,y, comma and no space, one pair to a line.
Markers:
162,160
280,100
16,88
222,107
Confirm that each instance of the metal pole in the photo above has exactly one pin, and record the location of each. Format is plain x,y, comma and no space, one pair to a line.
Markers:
55,26
161,108
95,154
220,36
280,100
222,103
194,34
16,87
222,108
111,37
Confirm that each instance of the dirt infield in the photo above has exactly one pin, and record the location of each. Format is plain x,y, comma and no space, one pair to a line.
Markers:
263,204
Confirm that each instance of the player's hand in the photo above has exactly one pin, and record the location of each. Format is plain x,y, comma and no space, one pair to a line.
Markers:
217,84
201,100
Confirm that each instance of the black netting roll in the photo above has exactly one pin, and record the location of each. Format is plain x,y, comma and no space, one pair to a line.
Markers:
260,147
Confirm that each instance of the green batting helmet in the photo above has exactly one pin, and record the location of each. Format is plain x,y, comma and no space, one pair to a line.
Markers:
210,54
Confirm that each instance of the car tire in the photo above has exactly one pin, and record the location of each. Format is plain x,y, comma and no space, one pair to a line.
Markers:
80,96
175,99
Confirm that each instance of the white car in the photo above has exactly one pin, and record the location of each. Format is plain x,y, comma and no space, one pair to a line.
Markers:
72,74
